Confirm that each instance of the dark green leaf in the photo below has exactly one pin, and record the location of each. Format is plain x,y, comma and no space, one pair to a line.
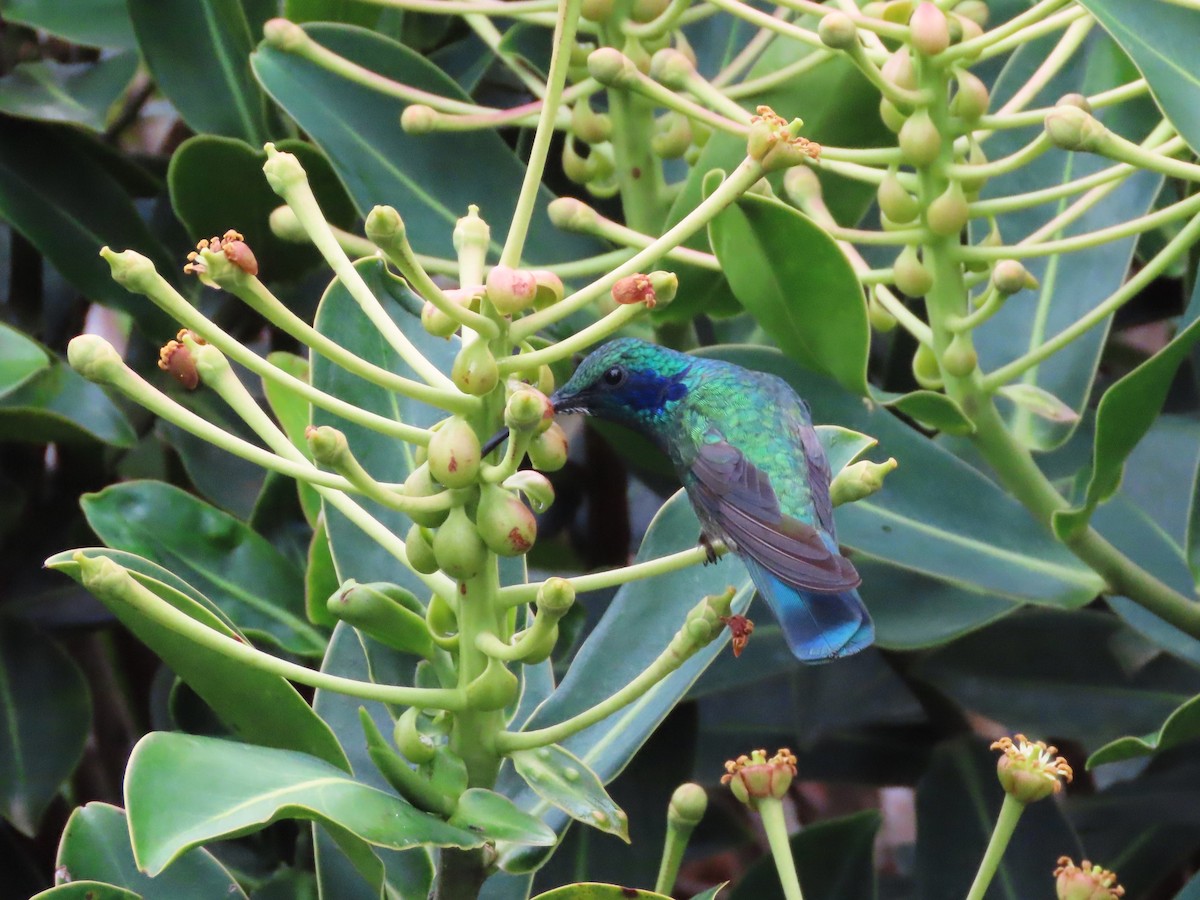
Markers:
201,173
45,711
594,891
958,801
95,846
233,566
256,706
320,578
795,280
350,12
1127,411
96,23
1159,37
379,163
488,813
929,409
86,890
179,39
79,93
57,404
183,790
20,359
562,779
1180,726
833,858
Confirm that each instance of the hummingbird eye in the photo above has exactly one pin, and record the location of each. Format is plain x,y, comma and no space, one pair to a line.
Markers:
614,376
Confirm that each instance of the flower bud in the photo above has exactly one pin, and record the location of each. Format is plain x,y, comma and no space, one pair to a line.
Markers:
510,290
891,116
948,213
588,125
926,370
408,739
536,487
879,317
801,185
175,359
837,31
283,34
545,380
386,612
580,169
634,289
1087,881
472,237
505,523
286,226
436,322
755,778
556,595
647,10
441,617
672,136
475,371
459,550
611,67
897,11
930,33
975,10
596,10
548,451
973,182
1071,128
1009,277
672,68
94,358
419,548
910,274
548,288
420,484
495,688
960,358
527,408
920,141
859,480
327,445
895,201
454,453
418,119
971,100
962,30
131,270
687,806
1075,99
571,214
1029,770
898,69
991,239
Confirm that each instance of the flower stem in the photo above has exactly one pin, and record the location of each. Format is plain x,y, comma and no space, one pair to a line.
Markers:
771,811
1006,822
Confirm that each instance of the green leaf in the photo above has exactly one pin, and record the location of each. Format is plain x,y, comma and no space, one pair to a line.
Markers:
95,23
589,890
379,163
1181,726
350,12
233,566
561,778
183,790
45,713
294,415
20,359
936,515
488,813
388,460
931,409
795,280
68,204
1040,402
78,93
180,39
320,578
833,859
958,800
95,846
1071,284
86,890
256,706
57,404
1159,38
1126,412
201,173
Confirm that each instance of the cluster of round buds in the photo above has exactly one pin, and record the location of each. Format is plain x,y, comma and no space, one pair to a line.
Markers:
1030,770
232,244
755,777
175,359
1087,881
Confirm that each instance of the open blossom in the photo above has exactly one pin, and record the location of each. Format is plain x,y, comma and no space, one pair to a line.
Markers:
1087,881
1029,770
754,777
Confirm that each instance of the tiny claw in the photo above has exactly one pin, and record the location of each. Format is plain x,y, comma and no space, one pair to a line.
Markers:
493,442
710,552
740,628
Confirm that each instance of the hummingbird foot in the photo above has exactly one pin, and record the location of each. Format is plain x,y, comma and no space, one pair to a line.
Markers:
710,552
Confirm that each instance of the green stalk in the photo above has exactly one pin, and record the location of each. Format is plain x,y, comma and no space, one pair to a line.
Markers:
771,811
639,171
560,59
1006,822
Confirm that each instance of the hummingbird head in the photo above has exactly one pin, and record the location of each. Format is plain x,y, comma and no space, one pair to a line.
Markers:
626,381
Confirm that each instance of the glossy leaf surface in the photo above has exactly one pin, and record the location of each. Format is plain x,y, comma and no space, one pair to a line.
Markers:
20,359
562,779
79,93
95,23
57,404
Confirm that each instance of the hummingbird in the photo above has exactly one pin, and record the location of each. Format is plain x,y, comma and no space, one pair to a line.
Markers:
744,446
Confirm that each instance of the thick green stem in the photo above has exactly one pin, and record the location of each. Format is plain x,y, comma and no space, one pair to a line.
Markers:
639,171
771,811
1006,822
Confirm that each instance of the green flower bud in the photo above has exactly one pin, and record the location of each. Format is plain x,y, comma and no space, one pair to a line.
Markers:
895,201
920,141
971,100
535,486
991,239
929,30
1087,881
972,184
891,116
548,288
897,11
459,550
859,480
801,185
647,10
837,31
596,10
672,136
548,450
510,290
472,237
545,380
1071,128
420,484
672,68
284,35
881,320
898,69
580,169
94,358
454,453
131,270
960,358
1009,277
1075,99
527,408
948,213
419,548
588,125
687,806
436,322
571,214
286,226
975,10
910,274
440,617
475,371
419,119
611,67
555,596
415,746
926,370
327,444
386,612
963,29
506,524
495,688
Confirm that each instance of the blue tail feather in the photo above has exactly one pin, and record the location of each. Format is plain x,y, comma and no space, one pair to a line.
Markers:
818,627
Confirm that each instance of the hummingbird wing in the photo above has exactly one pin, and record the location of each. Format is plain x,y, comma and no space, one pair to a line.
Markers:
736,499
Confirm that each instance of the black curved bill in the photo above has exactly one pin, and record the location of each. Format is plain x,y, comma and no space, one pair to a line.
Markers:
493,442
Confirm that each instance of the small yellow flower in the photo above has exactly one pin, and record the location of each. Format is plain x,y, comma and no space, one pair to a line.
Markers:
1029,770
754,777
1086,881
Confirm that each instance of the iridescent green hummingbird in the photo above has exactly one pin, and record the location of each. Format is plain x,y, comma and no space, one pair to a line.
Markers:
744,446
